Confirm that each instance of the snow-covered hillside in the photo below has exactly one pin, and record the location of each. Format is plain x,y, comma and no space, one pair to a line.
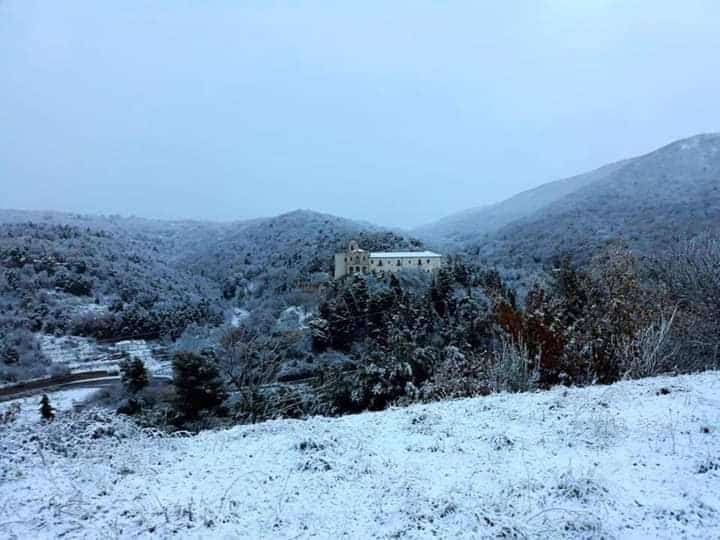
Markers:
639,459
642,202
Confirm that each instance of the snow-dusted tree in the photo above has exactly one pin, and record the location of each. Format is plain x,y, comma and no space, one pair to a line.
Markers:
319,333
47,412
197,383
341,325
440,292
689,275
133,375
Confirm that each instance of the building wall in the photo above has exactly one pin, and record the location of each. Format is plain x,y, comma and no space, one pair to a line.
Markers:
393,264
340,265
359,260
351,262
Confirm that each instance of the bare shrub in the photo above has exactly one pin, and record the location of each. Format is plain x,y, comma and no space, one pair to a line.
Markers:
513,369
650,351
251,362
458,374
689,275
9,415
248,359
273,401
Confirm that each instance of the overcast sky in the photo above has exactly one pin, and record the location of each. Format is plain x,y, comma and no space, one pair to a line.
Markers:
392,112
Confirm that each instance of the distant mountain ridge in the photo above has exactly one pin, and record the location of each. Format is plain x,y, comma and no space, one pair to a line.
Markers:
672,192
467,225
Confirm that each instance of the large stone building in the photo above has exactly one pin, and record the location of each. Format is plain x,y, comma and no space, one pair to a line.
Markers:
356,260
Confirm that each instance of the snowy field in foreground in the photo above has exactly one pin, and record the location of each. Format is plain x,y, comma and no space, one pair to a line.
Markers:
624,461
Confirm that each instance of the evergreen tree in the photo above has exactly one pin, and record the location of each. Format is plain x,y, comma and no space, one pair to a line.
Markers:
319,334
340,323
396,288
356,296
440,292
133,375
380,305
46,410
197,383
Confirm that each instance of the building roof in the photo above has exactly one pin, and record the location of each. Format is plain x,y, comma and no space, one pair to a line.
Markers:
402,254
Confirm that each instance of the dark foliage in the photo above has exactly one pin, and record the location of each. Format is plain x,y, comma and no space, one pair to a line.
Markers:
133,375
465,334
198,384
47,412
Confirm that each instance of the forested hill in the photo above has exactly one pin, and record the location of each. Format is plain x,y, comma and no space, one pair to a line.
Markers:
282,252
470,225
111,277
642,203
667,195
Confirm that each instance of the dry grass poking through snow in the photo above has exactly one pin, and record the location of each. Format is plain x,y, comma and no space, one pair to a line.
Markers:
638,459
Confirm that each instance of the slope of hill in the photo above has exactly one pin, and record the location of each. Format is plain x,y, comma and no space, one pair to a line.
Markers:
96,279
643,202
278,253
670,194
112,277
637,459
476,223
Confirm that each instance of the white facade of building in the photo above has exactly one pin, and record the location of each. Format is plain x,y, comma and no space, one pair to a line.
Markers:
356,260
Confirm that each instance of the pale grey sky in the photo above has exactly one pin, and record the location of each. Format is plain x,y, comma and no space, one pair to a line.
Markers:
393,112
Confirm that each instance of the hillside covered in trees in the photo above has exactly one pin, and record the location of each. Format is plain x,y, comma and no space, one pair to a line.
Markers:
641,203
592,287
110,278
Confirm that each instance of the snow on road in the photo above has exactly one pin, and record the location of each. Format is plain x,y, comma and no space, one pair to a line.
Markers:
638,459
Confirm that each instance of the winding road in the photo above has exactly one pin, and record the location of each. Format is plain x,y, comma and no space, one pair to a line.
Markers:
88,379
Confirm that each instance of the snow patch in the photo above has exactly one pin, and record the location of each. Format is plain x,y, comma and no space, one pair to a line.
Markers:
139,348
238,316
81,354
292,319
67,349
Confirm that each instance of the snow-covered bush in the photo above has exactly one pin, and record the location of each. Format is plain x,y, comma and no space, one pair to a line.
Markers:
21,356
688,275
513,369
9,415
198,384
650,351
133,375
458,374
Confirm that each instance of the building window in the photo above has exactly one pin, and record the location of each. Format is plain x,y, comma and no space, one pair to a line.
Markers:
379,263
428,261
419,262
399,263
